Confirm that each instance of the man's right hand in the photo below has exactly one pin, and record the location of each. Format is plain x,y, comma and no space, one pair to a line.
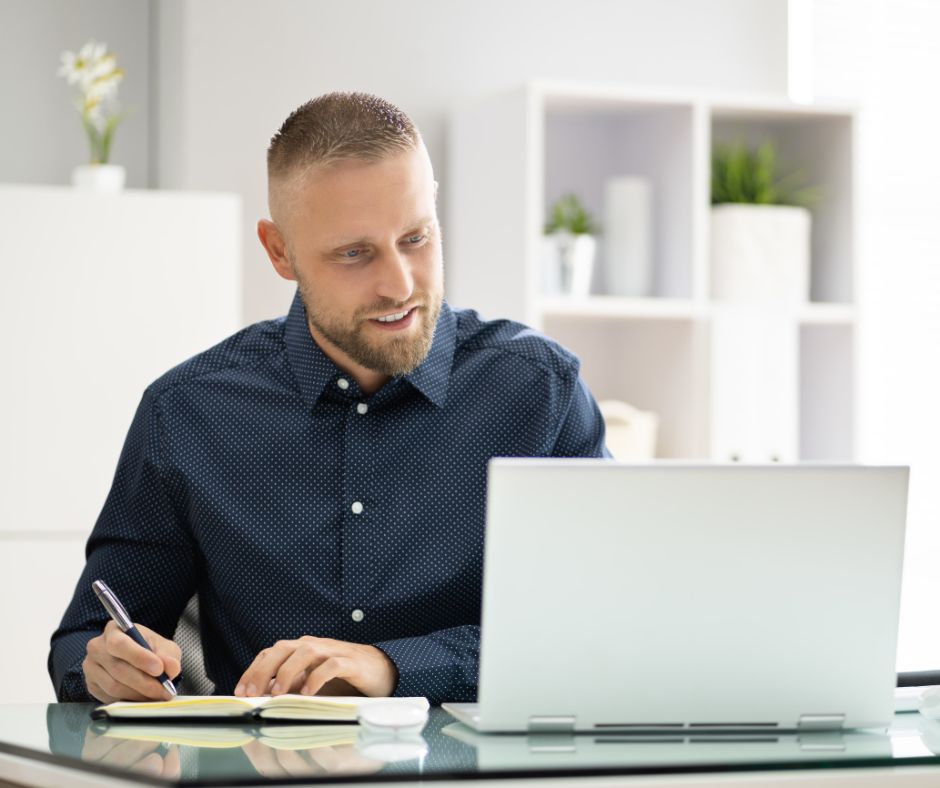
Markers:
117,668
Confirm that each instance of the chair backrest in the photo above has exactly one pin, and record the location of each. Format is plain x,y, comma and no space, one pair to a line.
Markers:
195,681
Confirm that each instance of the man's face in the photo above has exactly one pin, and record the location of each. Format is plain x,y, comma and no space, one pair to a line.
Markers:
364,245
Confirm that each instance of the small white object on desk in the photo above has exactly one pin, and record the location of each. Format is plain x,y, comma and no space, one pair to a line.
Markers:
929,704
391,731
392,717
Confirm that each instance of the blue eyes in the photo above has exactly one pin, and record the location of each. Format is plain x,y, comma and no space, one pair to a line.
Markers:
356,254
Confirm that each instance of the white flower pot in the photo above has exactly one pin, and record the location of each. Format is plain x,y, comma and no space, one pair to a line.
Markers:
760,253
569,263
101,178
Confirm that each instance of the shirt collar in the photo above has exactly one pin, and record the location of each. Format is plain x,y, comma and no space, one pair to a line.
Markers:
432,376
314,370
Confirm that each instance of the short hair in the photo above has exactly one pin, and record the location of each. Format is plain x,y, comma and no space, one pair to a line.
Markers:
337,127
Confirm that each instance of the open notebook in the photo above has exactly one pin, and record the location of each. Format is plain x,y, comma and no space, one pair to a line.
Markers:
282,707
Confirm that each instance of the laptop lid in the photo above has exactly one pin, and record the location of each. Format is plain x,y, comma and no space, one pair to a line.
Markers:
678,596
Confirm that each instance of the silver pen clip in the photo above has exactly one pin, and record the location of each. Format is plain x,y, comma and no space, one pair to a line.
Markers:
112,604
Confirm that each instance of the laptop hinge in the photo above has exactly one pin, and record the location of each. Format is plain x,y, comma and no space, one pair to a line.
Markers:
820,741
551,724
820,722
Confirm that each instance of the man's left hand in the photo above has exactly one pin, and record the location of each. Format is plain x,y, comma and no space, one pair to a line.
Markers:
312,665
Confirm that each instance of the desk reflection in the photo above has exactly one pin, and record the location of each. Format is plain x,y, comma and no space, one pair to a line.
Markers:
221,753
181,752
536,752
154,759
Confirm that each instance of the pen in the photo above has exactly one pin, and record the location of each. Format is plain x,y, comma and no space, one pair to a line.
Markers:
118,612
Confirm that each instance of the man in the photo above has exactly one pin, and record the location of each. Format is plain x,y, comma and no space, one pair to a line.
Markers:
319,480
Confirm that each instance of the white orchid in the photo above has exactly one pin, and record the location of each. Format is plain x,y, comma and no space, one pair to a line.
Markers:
95,72
77,67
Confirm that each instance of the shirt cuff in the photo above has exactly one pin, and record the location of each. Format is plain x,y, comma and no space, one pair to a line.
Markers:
65,666
439,669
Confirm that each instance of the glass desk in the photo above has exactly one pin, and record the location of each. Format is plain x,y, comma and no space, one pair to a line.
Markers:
222,754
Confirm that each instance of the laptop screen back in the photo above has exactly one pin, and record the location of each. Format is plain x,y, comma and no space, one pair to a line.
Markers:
676,595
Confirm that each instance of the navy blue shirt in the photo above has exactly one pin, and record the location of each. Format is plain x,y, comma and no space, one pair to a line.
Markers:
259,475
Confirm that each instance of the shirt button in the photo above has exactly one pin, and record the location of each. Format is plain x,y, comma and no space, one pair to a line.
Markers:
358,615
356,507
343,383
362,408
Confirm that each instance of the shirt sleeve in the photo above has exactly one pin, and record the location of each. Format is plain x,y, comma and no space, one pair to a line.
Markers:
139,547
441,666
582,429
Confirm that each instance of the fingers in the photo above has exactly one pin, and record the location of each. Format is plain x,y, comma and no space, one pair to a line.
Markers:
294,763
267,763
120,646
117,668
139,756
328,669
263,669
314,664
112,679
284,667
338,687
168,651
308,654
172,765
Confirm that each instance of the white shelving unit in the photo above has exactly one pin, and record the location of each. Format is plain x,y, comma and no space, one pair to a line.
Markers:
100,295
777,385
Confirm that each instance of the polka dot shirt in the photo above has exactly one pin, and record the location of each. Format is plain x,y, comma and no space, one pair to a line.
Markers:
258,475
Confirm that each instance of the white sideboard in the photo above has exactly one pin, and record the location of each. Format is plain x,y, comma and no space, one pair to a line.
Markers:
99,295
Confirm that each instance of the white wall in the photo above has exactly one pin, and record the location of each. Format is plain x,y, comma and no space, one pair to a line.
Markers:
42,131
81,344
886,55
229,73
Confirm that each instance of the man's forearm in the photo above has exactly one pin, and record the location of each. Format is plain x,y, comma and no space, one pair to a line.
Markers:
441,666
65,665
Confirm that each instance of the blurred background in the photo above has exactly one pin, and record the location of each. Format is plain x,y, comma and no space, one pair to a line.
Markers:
815,342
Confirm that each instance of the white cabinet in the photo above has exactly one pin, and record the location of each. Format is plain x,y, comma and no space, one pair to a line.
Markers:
767,384
100,294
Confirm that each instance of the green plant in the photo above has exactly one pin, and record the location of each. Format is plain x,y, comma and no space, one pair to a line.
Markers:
742,175
569,215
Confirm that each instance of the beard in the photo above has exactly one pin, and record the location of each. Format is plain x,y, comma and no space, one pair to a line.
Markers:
396,355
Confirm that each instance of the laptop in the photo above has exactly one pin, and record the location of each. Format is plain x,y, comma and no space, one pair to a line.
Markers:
688,597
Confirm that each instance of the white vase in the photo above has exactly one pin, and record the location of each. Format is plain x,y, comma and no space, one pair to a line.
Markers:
628,231
575,262
100,178
760,253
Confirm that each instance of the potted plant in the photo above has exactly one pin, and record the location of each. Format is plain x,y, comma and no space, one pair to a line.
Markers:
570,233
95,73
760,227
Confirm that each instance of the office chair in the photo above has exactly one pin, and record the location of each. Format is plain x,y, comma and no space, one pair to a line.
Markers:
194,679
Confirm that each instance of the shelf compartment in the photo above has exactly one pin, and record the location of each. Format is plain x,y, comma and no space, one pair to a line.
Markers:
588,142
653,365
819,144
